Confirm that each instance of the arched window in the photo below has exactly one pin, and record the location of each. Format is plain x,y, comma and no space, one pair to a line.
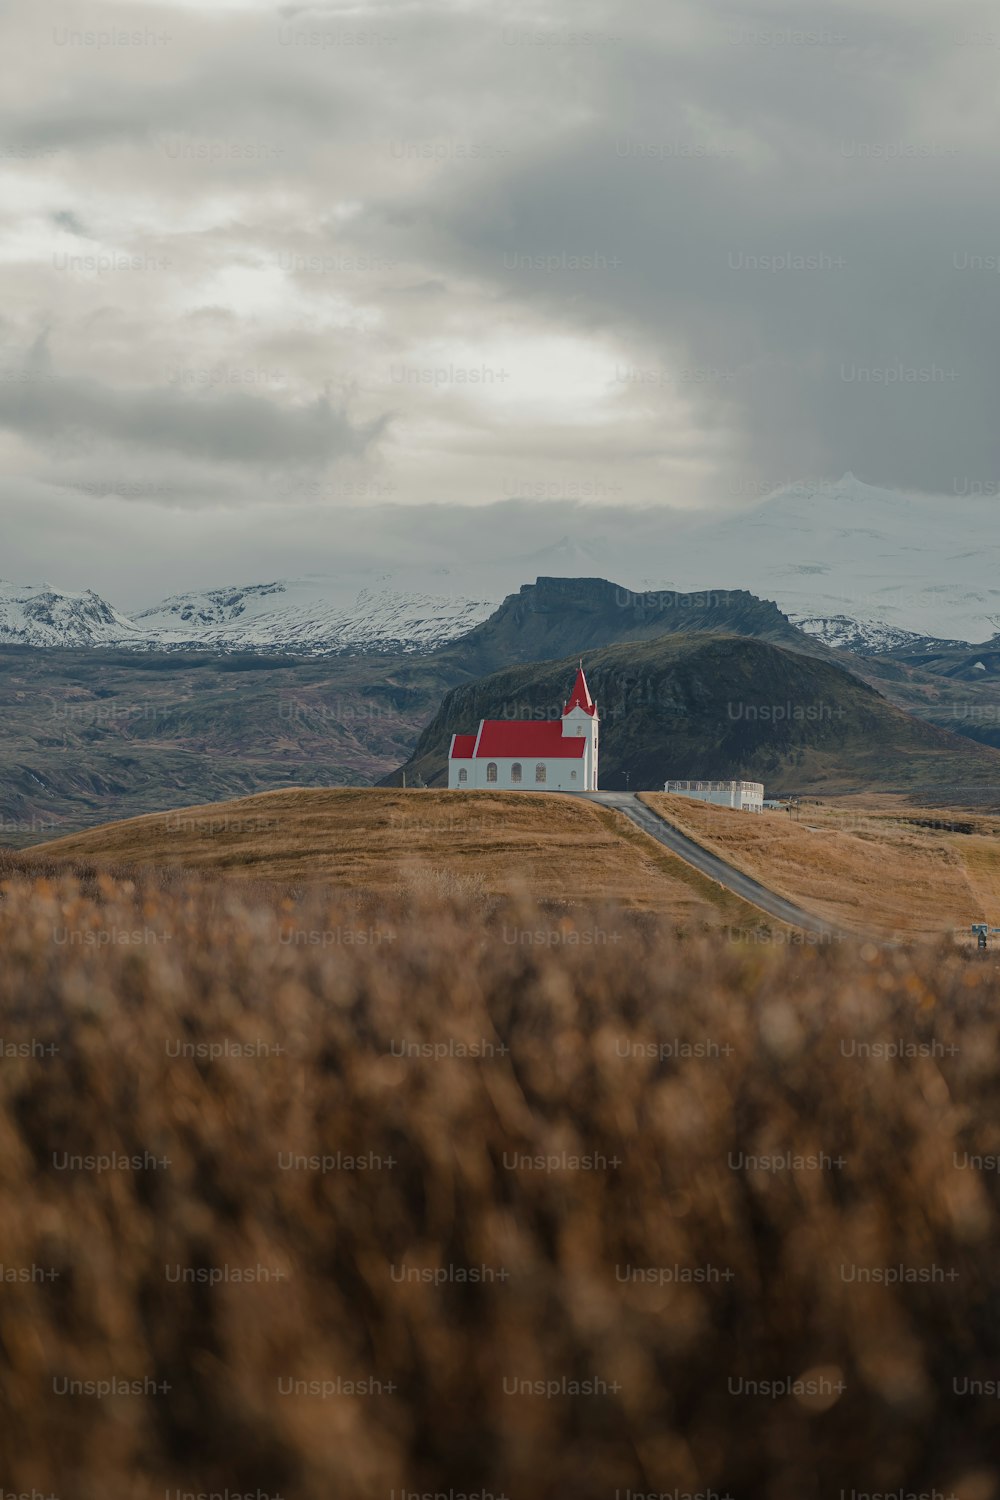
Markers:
540,771
491,771
463,775
572,775
515,771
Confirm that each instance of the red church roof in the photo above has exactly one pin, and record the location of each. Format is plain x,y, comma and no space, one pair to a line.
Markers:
506,738
580,696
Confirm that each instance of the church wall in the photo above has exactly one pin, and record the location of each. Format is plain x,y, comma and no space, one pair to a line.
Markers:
560,775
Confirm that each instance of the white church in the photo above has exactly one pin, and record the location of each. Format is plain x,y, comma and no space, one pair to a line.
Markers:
550,755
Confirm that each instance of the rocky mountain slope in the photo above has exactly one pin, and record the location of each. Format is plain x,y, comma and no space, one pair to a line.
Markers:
556,616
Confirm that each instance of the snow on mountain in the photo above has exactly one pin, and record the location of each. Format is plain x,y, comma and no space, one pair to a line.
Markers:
39,615
860,567
864,637
212,609
368,609
857,565
317,613
303,615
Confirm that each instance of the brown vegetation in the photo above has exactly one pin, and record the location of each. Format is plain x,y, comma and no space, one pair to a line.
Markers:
546,846
877,866
599,1034
896,871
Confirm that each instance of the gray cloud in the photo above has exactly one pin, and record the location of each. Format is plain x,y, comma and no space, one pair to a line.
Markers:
813,253
234,427
64,219
689,250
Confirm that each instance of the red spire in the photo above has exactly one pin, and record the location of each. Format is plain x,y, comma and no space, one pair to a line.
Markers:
580,696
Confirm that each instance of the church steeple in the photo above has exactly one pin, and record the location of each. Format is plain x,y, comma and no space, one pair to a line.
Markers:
580,696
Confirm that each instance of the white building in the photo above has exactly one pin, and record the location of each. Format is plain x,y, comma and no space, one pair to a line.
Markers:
527,755
746,795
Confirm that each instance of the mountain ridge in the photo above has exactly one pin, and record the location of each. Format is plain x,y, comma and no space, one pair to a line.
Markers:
859,567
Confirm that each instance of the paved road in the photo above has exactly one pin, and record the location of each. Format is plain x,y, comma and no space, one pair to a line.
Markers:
716,868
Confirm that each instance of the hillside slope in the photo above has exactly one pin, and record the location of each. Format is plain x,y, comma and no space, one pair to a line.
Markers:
895,874
88,736
885,870
721,706
367,840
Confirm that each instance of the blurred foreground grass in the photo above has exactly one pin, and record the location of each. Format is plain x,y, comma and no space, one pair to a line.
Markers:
318,1197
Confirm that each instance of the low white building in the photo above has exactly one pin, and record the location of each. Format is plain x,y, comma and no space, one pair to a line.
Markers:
748,796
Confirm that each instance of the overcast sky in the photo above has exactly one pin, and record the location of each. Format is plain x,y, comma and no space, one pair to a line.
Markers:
273,274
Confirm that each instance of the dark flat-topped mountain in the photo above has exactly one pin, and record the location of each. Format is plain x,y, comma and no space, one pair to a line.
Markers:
556,617
944,683
705,705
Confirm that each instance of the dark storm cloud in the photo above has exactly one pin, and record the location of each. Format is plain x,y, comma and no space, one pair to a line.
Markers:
784,211
769,237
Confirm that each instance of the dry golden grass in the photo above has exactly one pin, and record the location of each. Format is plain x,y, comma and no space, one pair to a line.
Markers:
548,846
235,1037
882,867
874,870
981,858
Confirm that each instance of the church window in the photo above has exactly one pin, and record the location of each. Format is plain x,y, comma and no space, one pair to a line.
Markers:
463,775
515,771
491,771
540,771
572,775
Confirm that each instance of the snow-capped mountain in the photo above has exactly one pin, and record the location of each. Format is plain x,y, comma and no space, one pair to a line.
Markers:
860,567
864,637
39,615
567,558
368,609
318,613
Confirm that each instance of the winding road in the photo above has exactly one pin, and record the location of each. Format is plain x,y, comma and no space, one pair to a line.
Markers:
712,865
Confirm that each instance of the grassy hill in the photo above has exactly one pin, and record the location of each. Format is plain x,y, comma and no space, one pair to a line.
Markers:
368,840
896,871
723,706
